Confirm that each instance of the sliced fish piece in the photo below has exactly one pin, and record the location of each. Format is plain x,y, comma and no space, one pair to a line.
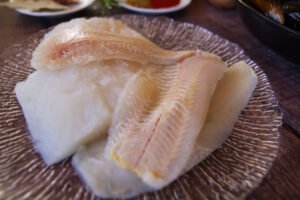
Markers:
67,108
103,176
77,43
230,98
159,115
107,180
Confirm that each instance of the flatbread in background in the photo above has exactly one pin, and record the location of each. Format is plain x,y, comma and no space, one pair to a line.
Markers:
33,5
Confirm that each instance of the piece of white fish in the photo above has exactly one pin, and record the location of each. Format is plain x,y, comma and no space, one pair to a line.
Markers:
230,98
156,125
86,41
70,107
107,180
159,116
103,176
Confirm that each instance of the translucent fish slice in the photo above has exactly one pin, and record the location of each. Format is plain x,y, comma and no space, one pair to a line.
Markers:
230,98
103,176
82,45
159,115
231,95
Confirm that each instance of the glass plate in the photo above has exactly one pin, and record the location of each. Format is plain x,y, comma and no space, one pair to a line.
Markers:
230,172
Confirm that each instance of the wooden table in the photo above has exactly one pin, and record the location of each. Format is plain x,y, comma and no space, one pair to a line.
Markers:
283,181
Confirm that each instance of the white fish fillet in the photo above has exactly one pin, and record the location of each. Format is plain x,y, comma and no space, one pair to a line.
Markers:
103,176
159,115
58,104
155,131
70,107
82,41
230,98
232,93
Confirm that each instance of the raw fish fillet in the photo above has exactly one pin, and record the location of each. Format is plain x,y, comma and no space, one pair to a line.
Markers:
66,108
159,115
70,107
85,41
103,176
231,95
230,98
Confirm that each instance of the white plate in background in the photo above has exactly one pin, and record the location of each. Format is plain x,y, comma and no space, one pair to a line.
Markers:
82,4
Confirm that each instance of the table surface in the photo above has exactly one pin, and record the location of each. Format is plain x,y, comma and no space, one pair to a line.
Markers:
283,180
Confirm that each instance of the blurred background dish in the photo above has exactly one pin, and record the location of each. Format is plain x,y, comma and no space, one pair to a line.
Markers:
279,37
163,10
72,8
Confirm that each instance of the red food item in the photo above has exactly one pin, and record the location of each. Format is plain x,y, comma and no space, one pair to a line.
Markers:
164,3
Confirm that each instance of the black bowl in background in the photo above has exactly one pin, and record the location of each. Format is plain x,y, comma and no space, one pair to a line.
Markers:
278,37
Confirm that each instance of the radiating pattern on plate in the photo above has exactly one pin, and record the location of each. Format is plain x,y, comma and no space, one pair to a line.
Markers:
231,172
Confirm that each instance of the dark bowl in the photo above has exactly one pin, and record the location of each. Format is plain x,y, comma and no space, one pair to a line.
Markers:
285,41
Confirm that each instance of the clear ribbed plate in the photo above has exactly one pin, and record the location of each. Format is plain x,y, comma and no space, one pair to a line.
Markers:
231,172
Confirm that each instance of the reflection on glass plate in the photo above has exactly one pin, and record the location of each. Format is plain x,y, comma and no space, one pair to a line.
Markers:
231,172
82,4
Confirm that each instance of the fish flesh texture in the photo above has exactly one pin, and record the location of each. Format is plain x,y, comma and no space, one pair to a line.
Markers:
159,116
173,112
86,41
70,107
103,176
231,96
107,180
